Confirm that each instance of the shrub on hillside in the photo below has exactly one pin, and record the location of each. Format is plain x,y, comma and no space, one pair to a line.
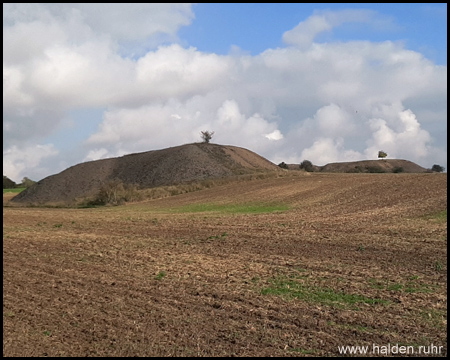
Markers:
437,168
375,169
26,182
283,165
398,169
307,165
115,192
356,169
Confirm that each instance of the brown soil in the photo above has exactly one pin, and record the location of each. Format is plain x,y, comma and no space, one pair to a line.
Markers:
161,278
176,165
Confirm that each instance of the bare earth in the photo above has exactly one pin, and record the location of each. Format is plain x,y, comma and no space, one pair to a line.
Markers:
368,166
346,259
171,166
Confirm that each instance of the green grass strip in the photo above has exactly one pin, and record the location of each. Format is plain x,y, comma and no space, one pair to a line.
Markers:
233,208
325,296
439,217
15,190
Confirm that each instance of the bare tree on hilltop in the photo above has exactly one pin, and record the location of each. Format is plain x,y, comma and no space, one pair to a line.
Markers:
207,135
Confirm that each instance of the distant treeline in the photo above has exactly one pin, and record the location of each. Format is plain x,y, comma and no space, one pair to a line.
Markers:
9,184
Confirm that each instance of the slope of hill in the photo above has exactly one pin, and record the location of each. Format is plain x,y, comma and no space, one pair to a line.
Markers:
391,165
175,165
368,166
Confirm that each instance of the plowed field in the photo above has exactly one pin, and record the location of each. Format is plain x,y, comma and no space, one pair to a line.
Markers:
293,266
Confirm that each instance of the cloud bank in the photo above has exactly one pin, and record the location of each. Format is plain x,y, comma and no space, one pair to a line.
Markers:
321,101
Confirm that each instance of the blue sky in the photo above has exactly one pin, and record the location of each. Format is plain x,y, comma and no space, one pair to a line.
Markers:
257,27
323,82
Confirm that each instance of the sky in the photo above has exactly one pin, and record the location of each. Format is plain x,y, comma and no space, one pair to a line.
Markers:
291,82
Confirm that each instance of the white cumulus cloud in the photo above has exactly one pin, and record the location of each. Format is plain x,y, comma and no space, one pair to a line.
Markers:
274,135
17,162
320,101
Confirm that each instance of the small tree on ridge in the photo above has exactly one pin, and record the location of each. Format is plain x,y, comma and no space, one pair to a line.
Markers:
207,135
381,154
